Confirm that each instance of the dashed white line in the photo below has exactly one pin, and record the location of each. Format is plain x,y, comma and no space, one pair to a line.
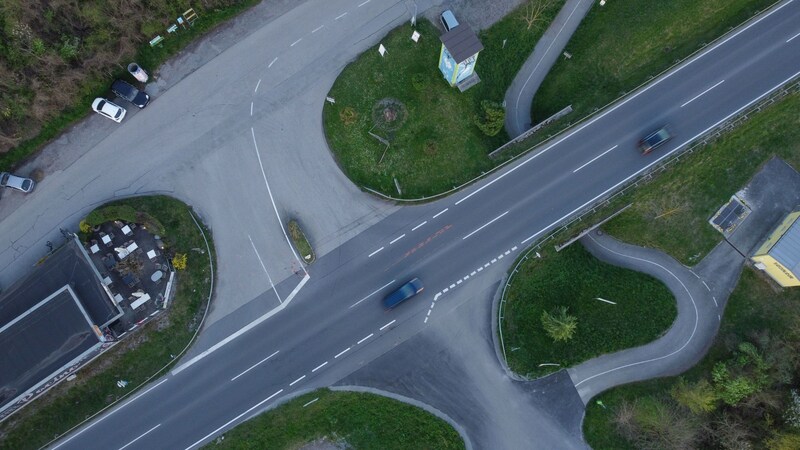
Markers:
429,312
397,239
440,213
466,277
234,419
719,319
459,281
508,252
296,381
370,295
479,269
704,284
426,320
433,304
272,62
486,225
141,436
342,352
254,365
373,253
365,338
701,94
363,3
486,265
494,260
387,325
452,286
317,29
257,85
473,273
423,223
251,108
500,256
319,367
789,40
340,16
296,42
715,301
594,159
514,248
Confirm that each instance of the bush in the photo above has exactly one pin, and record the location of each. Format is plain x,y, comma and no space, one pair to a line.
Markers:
559,325
418,81
179,261
492,119
698,397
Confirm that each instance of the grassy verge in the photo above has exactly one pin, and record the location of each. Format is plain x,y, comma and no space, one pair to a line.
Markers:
136,357
434,144
619,45
300,241
756,313
574,278
362,421
148,57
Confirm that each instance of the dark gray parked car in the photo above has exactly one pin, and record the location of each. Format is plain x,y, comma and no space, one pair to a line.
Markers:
128,92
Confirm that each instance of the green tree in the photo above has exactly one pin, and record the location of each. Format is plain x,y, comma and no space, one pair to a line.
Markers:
697,397
559,325
491,119
788,441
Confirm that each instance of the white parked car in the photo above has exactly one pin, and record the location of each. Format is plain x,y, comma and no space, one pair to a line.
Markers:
15,182
108,109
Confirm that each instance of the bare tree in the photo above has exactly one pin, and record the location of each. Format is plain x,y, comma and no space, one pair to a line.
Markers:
534,9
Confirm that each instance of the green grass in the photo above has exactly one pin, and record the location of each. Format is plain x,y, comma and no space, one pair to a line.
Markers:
300,241
69,403
364,421
438,147
619,45
671,213
574,278
148,57
754,306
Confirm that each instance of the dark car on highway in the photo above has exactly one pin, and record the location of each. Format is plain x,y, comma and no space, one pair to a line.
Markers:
404,293
128,92
654,140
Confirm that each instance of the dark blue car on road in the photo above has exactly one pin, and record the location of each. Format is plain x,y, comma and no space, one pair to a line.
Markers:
404,293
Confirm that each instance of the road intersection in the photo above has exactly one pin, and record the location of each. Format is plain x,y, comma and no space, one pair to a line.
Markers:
205,149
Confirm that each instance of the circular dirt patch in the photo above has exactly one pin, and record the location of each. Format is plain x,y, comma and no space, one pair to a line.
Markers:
389,114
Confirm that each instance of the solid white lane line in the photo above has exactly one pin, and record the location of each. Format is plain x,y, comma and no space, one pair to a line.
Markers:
362,4
257,85
254,365
234,419
383,327
789,40
296,42
296,381
319,367
265,270
141,436
440,213
373,253
272,62
485,225
594,159
342,352
397,239
423,223
365,338
665,155
340,16
317,29
700,94
370,295
251,108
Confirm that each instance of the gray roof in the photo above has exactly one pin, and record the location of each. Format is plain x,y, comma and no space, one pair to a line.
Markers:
787,250
461,42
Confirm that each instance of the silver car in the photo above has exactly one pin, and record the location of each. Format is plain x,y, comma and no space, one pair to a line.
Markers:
108,109
15,182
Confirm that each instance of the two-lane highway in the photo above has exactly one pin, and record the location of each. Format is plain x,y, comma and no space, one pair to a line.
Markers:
336,324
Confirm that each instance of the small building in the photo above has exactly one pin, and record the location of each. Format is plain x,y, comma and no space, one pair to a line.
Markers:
779,255
458,56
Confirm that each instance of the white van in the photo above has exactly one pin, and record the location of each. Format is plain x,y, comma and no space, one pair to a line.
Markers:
448,20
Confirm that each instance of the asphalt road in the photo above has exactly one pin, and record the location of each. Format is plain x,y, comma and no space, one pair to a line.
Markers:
335,324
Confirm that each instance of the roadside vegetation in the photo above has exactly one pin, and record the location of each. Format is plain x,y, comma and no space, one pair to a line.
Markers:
139,355
437,137
620,45
300,241
344,419
56,57
553,318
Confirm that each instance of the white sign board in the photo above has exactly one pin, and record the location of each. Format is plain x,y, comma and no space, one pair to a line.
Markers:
415,36
381,49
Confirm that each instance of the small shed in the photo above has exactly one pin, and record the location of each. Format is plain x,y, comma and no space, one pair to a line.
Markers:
779,255
457,58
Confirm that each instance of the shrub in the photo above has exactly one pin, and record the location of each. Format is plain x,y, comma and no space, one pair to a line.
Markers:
492,118
84,227
698,397
418,81
559,325
179,261
348,115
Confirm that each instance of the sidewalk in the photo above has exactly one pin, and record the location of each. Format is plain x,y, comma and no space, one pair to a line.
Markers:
520,94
